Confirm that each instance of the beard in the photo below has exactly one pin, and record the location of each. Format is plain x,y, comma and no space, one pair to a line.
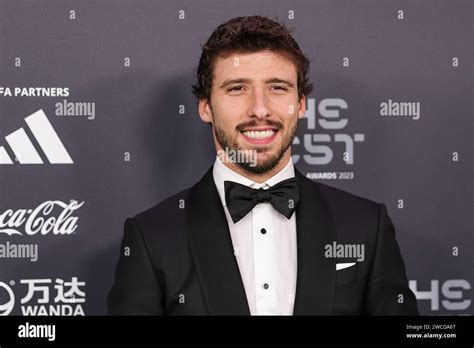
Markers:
262,166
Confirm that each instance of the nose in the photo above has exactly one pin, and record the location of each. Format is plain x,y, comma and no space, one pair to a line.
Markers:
259,107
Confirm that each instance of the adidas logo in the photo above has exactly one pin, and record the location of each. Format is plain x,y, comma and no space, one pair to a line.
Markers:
46,137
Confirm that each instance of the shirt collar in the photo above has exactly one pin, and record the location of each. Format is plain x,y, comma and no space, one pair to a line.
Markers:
222,173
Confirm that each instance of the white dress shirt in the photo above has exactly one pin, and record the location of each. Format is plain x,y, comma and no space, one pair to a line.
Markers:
264,245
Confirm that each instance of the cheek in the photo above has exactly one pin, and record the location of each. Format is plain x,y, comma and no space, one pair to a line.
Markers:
234,107
286,107
229,114
223,121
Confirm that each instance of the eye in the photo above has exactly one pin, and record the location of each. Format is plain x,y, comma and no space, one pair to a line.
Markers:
235,89
280,88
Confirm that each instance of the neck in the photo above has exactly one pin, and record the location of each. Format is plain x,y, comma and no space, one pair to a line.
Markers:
260,177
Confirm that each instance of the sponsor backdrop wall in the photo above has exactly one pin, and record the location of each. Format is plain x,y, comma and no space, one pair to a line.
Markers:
98,123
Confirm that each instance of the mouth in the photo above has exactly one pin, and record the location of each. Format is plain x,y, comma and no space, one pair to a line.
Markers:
259,136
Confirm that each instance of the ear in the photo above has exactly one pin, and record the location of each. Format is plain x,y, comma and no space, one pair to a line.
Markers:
205,111
302,106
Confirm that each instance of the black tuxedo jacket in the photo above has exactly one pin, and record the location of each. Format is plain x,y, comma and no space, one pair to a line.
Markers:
177,258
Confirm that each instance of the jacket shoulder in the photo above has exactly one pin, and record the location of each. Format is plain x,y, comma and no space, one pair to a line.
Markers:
345,207
354,217
336,196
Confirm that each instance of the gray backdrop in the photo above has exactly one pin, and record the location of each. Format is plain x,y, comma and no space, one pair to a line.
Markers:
135,60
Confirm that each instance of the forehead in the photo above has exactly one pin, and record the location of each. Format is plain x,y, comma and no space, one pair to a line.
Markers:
254,65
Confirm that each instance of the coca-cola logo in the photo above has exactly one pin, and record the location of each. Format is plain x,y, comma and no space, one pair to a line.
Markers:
41,220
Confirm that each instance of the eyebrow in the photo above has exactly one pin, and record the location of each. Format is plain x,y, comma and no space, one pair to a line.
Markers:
248,81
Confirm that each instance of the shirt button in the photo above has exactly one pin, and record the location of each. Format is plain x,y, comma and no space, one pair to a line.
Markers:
263,231
266,286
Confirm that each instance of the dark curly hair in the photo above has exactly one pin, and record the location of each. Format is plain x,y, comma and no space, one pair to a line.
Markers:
249,34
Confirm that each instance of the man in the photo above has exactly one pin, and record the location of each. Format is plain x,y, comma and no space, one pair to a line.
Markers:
254,236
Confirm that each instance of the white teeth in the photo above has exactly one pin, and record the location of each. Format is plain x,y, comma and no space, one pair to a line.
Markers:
259,135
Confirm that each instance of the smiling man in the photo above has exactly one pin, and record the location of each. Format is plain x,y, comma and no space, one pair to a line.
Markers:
254,108
254,236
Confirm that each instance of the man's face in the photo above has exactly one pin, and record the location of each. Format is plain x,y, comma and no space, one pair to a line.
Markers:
254,106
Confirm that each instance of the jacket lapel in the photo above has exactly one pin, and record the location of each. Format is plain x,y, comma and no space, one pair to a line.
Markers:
217,268
212,250
315,284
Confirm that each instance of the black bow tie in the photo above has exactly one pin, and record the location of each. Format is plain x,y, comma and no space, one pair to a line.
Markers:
241,199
